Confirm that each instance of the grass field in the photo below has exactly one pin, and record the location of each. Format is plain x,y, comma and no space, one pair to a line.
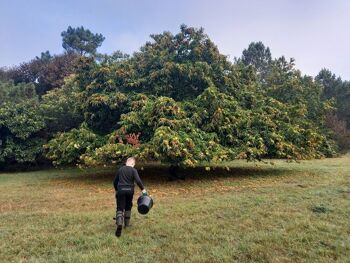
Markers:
286,212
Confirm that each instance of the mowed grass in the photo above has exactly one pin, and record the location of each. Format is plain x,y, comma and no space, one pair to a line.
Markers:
287,212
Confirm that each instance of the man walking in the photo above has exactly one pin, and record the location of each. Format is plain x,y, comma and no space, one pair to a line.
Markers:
124,186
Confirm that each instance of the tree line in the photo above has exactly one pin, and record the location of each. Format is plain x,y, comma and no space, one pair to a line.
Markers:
177,100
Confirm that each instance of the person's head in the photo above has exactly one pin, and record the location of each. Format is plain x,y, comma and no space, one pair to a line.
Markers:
130,161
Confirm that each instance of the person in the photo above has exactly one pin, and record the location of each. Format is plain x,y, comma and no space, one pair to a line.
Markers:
124,182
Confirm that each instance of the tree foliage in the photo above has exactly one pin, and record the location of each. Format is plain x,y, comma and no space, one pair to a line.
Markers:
67,147
258,56
177,100
337,90
46,73
60,109
21,124
81,41
179,66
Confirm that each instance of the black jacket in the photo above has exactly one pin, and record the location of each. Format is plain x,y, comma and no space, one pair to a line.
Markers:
126,178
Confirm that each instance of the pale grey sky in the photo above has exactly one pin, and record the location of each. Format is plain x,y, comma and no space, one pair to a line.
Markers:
315,33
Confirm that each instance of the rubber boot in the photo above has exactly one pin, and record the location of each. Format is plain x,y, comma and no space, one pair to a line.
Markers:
119,221
127,216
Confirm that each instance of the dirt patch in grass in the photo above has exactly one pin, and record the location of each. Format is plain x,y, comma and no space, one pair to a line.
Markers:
197,181
82,191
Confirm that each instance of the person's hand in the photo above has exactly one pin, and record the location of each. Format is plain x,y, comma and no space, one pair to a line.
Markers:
144,192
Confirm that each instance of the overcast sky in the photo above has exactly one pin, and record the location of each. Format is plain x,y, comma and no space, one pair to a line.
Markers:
315,33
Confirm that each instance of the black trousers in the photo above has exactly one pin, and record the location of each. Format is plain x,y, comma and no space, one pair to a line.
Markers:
124,200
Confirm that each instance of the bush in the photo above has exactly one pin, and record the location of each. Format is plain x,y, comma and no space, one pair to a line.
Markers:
67,147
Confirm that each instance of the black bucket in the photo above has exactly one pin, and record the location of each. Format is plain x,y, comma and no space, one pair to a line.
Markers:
144,204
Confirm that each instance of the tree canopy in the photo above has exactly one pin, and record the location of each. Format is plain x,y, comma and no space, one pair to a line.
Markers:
177,100
258,56
45,72
81,40
21,124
